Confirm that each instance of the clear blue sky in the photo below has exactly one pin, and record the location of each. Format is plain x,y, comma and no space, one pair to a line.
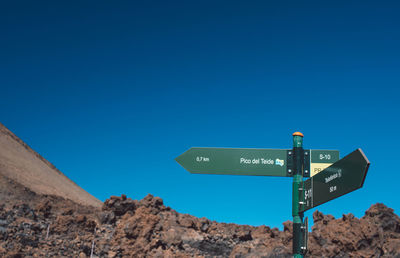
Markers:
112,91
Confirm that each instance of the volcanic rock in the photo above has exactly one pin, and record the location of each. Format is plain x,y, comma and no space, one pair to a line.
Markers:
147,228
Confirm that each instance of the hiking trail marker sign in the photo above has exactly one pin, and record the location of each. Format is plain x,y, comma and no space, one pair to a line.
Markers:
329,176
224,161
321,159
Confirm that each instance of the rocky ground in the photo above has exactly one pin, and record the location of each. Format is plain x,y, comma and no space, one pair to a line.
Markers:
48,226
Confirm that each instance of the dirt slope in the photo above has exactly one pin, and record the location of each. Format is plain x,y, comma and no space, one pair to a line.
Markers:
21,164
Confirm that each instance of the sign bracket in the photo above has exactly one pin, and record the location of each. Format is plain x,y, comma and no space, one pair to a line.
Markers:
307,161
289,162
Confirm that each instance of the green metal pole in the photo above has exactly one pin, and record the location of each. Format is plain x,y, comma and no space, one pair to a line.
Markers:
298,161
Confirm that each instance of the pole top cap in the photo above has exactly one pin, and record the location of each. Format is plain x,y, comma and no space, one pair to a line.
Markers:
298,134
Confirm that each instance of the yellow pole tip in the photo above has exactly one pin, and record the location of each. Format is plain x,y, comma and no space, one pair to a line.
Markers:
298,134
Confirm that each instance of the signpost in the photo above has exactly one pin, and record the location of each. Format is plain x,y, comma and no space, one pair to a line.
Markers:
329,177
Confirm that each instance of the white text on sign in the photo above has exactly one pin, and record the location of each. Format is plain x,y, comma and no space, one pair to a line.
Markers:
202,159
255,161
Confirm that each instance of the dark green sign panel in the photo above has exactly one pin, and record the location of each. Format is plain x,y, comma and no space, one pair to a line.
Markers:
342,177
324,156
225,161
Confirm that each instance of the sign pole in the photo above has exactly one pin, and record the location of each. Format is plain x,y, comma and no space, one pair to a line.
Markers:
298,162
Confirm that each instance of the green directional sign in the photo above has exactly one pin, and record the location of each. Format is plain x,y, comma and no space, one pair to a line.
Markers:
226,161
342,177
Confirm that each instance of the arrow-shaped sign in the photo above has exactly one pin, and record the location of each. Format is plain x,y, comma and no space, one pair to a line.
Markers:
225,161
342,177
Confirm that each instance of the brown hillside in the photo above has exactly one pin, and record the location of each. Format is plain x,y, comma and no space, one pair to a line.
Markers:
21,164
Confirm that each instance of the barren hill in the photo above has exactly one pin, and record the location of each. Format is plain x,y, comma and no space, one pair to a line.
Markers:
21,164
